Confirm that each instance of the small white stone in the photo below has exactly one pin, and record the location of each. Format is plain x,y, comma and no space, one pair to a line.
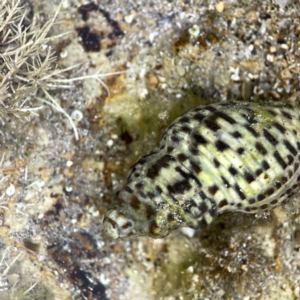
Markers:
69,189
10,190
104,280
129,18
142,72
69,163
190,269
194,30
188,231
143,92
284,46
109,143
106,260
270,57
42,257
77,115
152,36
63,54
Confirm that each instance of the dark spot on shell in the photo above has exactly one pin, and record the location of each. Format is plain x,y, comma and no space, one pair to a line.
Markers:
265,165
179,187
182,173
286,115
135,202
260,197
272,112
265,206
240,150
175,139
149,212
181,157
199,117
186,129
213,211
170,149
163,162
252,201
251,130
280,159
139,185
126,225
198,138
250,116
142,194
211,124
223,203
277,184
158,189
290,159
194,150
170,217
216,163
224,116
152,228
236,134
290,147
249,177
203,207
221,146
239,191
269,192
210,108
261,149
202,195
143,159
184,119
202,224
150,195
258,172
136,174
232,171
195,167
269,137
226,183
280,127
128,189
213,189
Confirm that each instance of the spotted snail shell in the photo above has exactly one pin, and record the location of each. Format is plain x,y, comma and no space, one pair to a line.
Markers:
215,158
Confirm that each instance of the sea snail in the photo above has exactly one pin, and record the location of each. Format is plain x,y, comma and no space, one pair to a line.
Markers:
215,158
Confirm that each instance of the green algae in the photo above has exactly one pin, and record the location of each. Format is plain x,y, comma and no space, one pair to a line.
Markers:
144,121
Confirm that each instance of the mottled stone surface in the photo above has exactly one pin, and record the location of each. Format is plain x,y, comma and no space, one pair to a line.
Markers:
54,189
